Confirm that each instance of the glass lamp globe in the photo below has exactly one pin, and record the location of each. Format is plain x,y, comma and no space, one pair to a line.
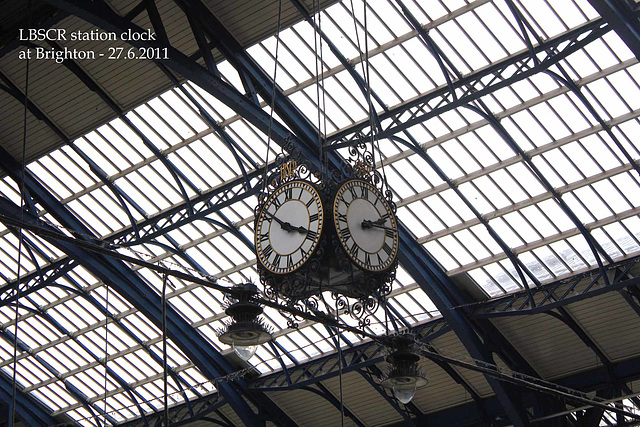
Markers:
405,392
245,352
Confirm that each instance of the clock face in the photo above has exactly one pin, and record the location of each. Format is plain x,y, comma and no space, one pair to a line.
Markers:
366,225
288,227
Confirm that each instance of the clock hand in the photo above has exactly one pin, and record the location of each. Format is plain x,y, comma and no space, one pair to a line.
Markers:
286,226
377,224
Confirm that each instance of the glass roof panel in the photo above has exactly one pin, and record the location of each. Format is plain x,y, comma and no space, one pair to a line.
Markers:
512,188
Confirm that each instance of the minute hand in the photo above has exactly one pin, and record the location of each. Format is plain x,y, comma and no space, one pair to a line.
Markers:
368,224
285,225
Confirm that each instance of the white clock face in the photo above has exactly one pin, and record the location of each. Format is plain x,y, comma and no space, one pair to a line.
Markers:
288,227
366,225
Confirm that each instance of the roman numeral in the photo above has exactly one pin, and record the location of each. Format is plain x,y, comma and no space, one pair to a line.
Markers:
288,193
388,233
386,248
276,260
342,217
264,237
267,251
309,203
311,235
365,192
276,202
289,261
367,258
345,233
313,217
352,190
354,250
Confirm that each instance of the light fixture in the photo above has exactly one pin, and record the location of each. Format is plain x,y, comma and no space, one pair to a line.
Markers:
403,375
247,330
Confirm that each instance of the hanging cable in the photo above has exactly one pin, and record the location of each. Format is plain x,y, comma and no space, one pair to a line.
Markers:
324,159
322,104
316,51
367,79
106,348
273,97
16,290
164,350
337,332
375,142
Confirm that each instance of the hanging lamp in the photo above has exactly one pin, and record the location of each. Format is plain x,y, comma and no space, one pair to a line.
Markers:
247,329
403,375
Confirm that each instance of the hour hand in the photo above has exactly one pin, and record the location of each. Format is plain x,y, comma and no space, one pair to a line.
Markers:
367,223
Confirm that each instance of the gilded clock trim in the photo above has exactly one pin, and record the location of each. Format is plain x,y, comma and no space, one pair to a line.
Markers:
295,246
374,245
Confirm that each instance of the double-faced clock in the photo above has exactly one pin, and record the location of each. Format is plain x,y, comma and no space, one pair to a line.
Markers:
366,225
288,227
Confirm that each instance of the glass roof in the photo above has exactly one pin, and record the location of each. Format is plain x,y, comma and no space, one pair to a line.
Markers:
563,171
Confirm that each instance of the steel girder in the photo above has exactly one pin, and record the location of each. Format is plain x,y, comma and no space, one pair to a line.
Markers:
624,18
561,292
478,84
130,286
588,284
427,273
416,260
354,358
27,408
421,265
73,391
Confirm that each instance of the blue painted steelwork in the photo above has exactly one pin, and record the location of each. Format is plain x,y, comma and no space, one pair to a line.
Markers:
623,18
433,48
132,287
517,263
420,262
120,195
176,174
566,81
115,189
561,292
414,258
503,74
437,285
73,391
28,409
48,318
56,270
180,415
226,139
596,248
358,357
236,55
372,371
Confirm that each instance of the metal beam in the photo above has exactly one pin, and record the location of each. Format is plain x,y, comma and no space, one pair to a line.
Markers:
623,18
357,357
28,409
95,410
503,73
414,258
561,292
129,285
